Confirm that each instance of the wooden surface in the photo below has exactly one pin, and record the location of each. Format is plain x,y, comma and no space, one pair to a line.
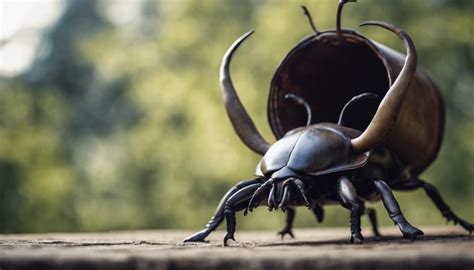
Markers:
446,247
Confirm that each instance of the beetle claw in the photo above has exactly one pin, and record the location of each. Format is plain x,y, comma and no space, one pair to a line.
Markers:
197,237
356,238
408,231
286,231
227,237
450,216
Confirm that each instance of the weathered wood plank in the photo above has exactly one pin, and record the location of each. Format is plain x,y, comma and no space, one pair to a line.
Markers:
441,248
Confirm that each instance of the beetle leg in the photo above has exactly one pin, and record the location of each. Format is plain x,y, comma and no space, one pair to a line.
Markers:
237,202
300,185
284,199
435,196
271,198
219,214
394,211
350,201
373,221
290,217
318,211
261,189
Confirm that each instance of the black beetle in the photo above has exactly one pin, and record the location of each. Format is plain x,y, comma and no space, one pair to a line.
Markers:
325,163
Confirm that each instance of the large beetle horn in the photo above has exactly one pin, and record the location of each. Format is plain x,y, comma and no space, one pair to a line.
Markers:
243,125
388,110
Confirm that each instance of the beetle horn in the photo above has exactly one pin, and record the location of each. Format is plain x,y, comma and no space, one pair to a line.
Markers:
243,125
387,112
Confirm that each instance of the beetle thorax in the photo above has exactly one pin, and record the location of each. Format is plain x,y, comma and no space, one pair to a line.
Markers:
314,150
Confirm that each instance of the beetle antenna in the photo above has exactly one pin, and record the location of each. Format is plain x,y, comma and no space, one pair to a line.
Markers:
310,19
300,100
353,100
339,15
257,192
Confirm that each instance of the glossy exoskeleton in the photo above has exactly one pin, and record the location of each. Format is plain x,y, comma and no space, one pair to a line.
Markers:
326,163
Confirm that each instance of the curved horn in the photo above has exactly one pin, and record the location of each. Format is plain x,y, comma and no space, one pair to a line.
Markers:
243,125
389,107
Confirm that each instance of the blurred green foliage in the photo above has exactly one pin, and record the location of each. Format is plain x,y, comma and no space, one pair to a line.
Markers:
122,126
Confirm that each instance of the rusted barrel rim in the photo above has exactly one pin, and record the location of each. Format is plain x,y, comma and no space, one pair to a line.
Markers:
348,36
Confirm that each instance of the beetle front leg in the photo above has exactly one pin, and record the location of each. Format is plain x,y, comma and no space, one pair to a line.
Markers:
394,211
219,216
349,200
237,202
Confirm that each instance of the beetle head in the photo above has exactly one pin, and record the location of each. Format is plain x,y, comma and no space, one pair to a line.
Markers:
279,193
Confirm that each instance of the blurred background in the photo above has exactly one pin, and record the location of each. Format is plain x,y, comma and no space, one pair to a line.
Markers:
111,115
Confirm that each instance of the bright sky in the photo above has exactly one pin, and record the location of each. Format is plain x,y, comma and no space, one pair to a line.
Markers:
21,23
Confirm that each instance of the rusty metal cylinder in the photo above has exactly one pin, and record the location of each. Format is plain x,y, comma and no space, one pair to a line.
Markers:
327,70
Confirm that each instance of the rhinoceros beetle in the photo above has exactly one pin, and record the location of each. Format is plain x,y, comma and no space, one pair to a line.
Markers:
338,156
